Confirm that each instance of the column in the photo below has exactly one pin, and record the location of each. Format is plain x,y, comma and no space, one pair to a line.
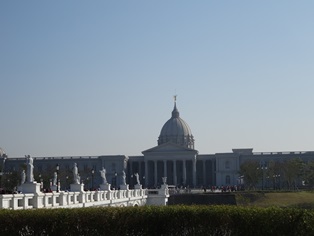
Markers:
131,173
175,172
184,172
155,172
204,173
146,173
194,171
165,168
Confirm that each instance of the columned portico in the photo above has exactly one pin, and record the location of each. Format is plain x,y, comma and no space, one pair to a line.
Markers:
175,156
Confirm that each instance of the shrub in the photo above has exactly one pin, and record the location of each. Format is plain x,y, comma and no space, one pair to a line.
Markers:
169,220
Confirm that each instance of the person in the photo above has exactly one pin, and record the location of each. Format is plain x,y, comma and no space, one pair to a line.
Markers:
103,175
30,168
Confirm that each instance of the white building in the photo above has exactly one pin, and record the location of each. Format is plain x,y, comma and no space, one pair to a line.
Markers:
174,157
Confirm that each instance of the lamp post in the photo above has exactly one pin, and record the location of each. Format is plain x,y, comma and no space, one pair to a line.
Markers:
93,172
263,167
115,178
57,169
40,179
276,184
66,181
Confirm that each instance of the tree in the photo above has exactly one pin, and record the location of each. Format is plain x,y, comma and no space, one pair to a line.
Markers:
292,170
251,173
274,172
309,174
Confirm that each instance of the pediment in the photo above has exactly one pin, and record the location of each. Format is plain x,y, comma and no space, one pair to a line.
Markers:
168,148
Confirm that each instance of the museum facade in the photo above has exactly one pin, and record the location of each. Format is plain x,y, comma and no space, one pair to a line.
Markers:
174,157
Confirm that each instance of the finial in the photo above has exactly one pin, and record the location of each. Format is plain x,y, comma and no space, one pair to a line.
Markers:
175,98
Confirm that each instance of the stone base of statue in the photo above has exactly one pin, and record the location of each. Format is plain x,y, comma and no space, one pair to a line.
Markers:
137,186
77,188
124,187
104,186
29,188
53,188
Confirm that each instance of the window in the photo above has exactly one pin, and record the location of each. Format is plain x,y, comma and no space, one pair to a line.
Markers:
227,165
228,179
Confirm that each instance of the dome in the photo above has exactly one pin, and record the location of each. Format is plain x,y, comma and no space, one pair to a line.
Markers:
177,131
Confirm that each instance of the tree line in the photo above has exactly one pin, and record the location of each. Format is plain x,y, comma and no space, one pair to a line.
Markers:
289,174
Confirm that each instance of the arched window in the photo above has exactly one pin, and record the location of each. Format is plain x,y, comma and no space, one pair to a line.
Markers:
227,165
228,179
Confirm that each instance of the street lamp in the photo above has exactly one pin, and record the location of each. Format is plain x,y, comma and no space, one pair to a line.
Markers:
93,171
40,179
276,178
115,177
57,169
66,179
263,167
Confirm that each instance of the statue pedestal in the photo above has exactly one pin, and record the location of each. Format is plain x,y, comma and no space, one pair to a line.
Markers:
124,187
137,186
53,187
29,187
77,188
105,186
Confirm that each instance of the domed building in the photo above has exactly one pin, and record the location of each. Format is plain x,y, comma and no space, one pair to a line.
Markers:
174,157
176,131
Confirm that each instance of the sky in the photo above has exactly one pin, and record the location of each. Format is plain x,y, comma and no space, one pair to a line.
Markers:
85,78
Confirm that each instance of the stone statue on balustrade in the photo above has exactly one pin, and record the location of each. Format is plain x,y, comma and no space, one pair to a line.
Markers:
103,175
76,176
76,186
123,178
104,184
23,177
28,184
137,176
55,177
30,169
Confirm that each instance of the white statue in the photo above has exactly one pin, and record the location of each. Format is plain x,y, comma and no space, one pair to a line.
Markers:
30,168
23,177
137,176
55,177
103,175
123,178
76,176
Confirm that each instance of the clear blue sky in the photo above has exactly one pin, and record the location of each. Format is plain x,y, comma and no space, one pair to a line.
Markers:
97,77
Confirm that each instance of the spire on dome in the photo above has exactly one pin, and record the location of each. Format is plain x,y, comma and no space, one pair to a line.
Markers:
176,130
175,112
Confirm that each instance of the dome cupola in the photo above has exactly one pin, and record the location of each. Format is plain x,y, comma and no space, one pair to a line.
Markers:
176,130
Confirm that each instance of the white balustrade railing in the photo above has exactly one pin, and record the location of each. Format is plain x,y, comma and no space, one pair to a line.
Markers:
70,199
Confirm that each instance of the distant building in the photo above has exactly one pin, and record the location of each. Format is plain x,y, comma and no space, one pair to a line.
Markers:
174,157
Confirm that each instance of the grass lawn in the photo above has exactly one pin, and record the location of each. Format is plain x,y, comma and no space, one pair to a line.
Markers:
282,199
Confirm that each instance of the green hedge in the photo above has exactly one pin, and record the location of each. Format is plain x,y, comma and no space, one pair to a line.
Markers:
169,220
